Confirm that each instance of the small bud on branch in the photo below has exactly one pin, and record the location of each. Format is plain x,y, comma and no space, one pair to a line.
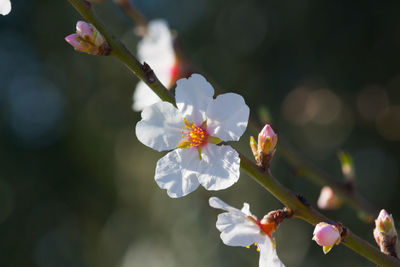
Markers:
89,40
327,235
265,149
385,233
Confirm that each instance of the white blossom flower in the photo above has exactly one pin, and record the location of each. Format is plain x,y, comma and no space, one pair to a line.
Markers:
193,129
5,7
241,228
156,49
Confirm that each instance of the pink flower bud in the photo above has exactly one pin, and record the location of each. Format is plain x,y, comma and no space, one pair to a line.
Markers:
88,39
327,199
326,235
267,140
74,40
84,30
385,223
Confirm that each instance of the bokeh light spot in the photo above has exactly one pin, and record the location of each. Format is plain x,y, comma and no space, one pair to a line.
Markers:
388,123
371,100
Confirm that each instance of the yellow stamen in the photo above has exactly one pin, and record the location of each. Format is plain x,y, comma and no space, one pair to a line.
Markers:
196,135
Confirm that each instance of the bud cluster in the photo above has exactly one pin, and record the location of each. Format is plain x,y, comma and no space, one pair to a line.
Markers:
89,40
264,150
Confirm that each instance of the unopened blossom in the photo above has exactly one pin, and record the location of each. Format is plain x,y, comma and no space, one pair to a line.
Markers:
157,50
267,140
241,228
192,129
328,200
385,233
5,7
88,39
326,235
265,149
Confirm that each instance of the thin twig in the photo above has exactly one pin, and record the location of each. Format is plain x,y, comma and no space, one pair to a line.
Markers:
132,12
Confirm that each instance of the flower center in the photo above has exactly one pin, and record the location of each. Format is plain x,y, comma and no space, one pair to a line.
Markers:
194,136
265,228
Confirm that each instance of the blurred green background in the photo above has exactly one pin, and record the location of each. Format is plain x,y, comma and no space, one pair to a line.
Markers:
77,188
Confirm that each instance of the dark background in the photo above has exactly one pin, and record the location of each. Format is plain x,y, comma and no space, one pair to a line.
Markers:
77,188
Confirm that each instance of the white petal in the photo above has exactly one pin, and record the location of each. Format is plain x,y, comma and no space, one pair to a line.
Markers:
5,7
177,172
219,167
160,127
227,117
246,209
219,204
237,230
193,95
143,97
268,256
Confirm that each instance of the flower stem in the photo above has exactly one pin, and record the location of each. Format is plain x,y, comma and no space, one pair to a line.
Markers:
142,71
283,194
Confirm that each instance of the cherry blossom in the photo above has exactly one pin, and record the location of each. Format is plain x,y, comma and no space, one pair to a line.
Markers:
156,49
193,129
5,7
241,228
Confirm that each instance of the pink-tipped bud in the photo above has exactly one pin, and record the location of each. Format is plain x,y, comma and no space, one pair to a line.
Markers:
74,40
385,223
84,30
267,140
385,233
326,235
264,151
328,200
88,40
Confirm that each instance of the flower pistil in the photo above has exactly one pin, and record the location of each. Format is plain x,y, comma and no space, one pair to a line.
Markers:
195,136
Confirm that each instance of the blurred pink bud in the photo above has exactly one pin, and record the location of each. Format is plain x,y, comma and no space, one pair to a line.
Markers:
267,140
88,39
326,235
328,200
